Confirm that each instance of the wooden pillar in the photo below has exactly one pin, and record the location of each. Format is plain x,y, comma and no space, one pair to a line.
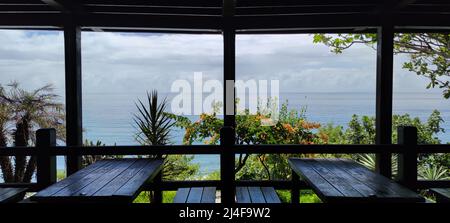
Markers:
407,161
46,164
227,174
227,133
295,191
229,64
72,50
157,193
384,85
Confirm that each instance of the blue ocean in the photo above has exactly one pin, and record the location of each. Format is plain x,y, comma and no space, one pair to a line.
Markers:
108,116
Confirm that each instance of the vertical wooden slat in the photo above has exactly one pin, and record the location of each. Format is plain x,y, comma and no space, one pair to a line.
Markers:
158,195
229,63
407,161
227,135
227,165
46,164
384,85
295,191
72,49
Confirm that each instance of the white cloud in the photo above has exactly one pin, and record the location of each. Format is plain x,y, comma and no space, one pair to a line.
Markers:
137,62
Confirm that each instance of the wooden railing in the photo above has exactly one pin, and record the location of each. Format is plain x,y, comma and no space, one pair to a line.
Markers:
407,148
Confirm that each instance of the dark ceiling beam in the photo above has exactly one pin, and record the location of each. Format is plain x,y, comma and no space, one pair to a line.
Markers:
182,22
56,5
66,6
131,9
405,3
330,21
69,7
139,21
303,9
194,3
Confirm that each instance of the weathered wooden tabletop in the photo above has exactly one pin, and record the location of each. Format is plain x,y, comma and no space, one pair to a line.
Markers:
109,180
10,194
342,180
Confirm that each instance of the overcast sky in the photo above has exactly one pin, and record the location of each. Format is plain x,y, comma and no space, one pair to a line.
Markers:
119,62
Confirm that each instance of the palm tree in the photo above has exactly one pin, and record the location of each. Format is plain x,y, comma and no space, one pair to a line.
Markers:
5,163
28,111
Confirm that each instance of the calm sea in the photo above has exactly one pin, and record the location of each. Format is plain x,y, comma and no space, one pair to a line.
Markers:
108,116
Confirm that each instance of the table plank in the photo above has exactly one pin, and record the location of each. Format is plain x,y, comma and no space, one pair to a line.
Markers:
270,195
102,181
209,195
242,195
358,185
256,195
86,180
195,195
383,186
147,173
354,181
105,178
322,187
442,194
121,179
54,188
5,190
181,195
10,194
334,179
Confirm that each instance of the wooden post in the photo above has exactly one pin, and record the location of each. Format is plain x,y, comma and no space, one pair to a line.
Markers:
385,47
227,175
46,164
407,161
227,133
72,50
295,191
229,68
157,193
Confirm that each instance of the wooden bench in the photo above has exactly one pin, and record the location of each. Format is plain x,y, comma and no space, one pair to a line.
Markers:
266,195
442,194
243,195
195,195
343,180
108,181
11,195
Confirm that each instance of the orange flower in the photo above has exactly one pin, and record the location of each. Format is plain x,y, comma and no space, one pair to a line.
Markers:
309,125
289,128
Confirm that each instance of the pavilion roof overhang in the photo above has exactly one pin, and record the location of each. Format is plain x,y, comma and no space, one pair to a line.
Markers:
208,15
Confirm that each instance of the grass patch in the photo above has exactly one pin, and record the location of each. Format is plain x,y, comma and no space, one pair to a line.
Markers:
306,196
168,196
144,197
60,174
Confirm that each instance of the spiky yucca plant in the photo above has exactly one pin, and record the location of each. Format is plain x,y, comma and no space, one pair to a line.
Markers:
154,125
368,160
152,121
433,172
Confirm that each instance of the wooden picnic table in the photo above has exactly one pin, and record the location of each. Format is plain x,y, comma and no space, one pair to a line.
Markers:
343,180
11,194
109,180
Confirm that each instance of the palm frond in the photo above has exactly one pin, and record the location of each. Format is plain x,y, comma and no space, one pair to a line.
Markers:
152,121
433,172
